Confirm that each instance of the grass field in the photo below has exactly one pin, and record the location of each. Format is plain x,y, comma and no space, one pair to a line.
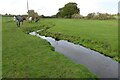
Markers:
0,47
99,35
26,56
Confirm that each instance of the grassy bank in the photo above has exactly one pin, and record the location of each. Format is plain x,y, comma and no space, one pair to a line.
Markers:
0,47
26,56
99,35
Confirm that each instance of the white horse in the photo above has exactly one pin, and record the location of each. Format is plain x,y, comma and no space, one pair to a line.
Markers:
30,19
14,18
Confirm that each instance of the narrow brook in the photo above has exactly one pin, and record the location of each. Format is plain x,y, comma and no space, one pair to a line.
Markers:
102,66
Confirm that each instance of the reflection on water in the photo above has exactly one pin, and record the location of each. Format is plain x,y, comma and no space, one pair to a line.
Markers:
102,66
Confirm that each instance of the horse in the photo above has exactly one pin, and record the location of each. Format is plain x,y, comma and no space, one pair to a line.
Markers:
14,18
30,19
36,19
33,19
18,20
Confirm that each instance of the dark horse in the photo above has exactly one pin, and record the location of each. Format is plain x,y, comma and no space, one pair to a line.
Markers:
18,20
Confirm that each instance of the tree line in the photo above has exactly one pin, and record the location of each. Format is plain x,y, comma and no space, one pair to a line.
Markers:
101,16
70,10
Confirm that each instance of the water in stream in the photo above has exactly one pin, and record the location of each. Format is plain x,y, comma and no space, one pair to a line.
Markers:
102,66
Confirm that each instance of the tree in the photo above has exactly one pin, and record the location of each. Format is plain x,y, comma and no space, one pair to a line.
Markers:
100,16
68,10
6,14
90,15
76,16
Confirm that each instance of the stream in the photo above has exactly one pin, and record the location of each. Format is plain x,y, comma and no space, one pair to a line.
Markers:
102,66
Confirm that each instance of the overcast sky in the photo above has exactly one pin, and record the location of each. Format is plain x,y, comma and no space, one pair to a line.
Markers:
50,7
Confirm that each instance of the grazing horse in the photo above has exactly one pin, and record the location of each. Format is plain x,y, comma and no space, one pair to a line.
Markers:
18,20
36,19
30,19
14,18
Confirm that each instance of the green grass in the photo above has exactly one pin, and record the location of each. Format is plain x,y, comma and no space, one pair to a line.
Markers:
26,56
99,35
0,47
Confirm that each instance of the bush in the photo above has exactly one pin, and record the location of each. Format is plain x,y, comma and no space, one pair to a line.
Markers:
100,16
76,16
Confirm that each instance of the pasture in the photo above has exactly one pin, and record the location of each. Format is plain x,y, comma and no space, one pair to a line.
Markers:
0,46
99,35
26,56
